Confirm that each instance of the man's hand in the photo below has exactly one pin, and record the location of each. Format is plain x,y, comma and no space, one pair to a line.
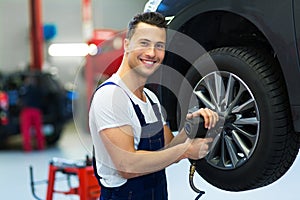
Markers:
197,148
210,117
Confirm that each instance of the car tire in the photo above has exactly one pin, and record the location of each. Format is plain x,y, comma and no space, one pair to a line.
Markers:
254,153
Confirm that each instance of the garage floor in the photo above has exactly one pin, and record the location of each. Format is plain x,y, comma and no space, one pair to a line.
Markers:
15,179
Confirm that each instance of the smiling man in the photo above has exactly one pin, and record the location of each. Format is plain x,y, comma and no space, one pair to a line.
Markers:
133,145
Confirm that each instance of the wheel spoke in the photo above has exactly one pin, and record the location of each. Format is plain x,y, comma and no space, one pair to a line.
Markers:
247,121
231,150
241,144
249,136
204,100
229,91
236,100
245,106
223,158
211,90
219,88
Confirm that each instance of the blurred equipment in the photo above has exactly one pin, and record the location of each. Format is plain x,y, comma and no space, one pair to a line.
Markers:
4,103
105,59
88,187
56,105
31,112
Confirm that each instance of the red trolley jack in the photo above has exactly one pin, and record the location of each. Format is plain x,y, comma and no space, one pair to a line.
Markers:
88,187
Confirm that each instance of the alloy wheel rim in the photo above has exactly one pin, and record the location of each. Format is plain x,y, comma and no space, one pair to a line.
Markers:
237,132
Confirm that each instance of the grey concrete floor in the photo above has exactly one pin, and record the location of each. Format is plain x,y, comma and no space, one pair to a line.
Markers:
15,179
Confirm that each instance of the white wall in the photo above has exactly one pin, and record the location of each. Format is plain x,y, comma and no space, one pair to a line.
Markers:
66,15
14,40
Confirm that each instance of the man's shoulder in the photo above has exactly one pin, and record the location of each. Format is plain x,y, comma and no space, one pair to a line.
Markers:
109,91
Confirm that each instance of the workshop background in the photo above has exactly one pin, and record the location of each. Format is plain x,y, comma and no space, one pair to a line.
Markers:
75,143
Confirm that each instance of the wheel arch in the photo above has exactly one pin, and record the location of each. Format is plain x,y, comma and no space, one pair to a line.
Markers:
220,28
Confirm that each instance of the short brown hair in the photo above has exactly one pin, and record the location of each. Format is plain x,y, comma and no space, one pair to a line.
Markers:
152,18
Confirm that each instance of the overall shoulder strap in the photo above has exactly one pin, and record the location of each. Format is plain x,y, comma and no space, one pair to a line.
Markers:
110,83
152,102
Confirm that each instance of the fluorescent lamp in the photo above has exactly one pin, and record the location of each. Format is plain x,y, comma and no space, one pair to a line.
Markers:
69,49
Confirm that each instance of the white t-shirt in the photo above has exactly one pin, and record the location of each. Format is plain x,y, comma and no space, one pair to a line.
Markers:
110,108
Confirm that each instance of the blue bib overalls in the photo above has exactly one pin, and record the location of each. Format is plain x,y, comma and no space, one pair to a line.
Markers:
148,187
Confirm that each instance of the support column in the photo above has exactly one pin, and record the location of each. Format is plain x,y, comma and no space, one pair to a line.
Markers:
36,35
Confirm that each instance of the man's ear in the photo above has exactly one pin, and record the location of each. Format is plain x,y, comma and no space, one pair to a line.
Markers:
126,45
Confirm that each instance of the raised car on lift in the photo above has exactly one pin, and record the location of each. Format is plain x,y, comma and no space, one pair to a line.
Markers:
253,83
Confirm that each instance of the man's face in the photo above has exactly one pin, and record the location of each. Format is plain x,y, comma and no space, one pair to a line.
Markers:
146,49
